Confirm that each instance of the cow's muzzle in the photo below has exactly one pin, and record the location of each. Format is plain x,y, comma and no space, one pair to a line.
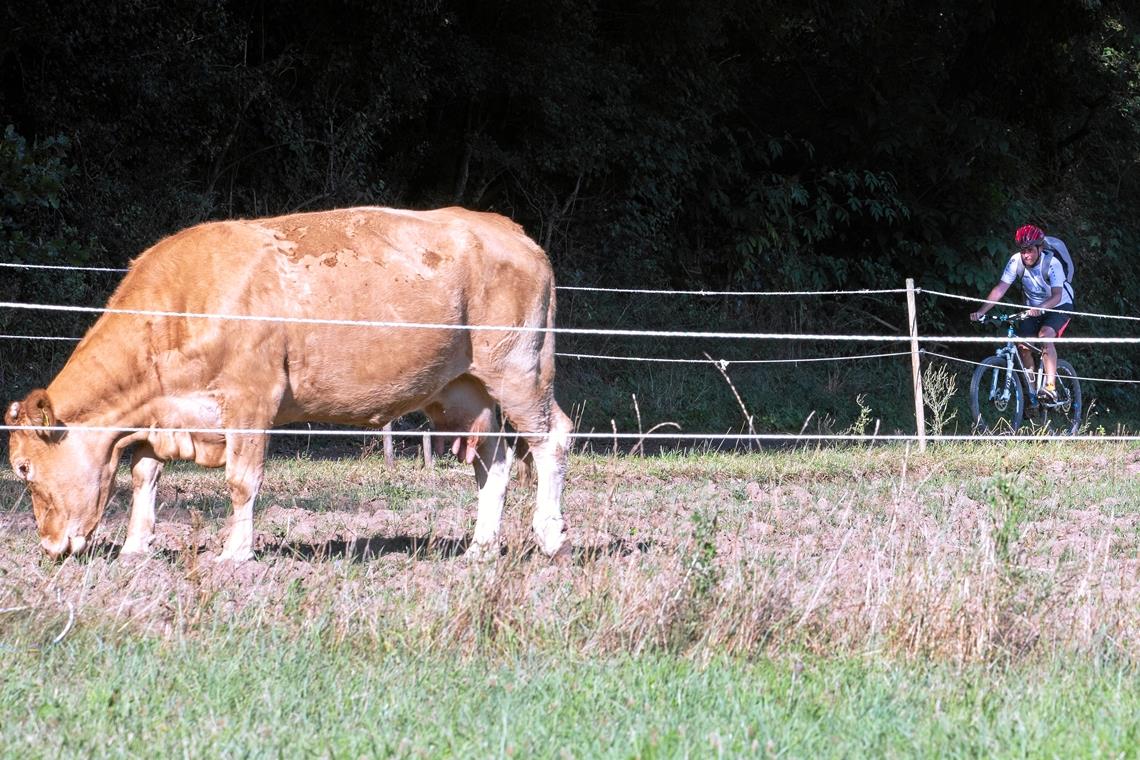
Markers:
73,545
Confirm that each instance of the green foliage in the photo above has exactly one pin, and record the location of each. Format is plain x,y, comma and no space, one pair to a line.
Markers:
861,425
939,386
1010,509
705,145
32,180
703,570
732,145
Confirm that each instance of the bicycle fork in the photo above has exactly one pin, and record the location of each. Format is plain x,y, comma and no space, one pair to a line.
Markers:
1007,382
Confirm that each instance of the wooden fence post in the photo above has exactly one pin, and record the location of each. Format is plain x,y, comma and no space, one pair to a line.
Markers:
389,452
916,366
427,451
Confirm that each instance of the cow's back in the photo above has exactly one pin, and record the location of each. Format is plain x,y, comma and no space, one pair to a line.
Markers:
448,267
269,279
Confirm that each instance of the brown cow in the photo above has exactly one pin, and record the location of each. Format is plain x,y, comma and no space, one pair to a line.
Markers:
449,268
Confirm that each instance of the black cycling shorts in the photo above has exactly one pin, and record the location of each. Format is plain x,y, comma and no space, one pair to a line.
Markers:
1058,320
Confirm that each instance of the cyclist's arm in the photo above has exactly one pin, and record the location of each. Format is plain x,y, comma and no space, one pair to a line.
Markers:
1050,302
995,295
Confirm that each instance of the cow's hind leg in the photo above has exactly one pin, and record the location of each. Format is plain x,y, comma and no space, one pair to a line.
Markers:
493,474
245,465
145,469
547,432
549,456
465,407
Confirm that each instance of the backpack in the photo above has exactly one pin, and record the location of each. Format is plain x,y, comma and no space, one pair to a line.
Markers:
1054,248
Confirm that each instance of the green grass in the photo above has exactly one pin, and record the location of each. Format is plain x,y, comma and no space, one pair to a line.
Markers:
262,694
977,600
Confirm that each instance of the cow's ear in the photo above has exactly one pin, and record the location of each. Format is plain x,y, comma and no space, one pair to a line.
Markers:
12,416
34,411
39,410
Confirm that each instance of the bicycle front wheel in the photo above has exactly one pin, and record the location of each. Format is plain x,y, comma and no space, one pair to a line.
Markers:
997,402
1064,416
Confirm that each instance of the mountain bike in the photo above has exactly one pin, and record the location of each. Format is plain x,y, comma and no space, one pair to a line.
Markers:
1002,385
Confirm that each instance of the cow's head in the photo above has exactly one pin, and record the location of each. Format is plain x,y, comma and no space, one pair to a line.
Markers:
69,473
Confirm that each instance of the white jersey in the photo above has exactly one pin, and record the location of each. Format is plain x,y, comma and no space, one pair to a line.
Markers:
1036,284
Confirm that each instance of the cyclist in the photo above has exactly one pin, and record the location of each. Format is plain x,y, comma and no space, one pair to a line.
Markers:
1042,290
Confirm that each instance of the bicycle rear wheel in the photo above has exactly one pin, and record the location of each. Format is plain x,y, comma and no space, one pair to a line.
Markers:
995,408
1064,416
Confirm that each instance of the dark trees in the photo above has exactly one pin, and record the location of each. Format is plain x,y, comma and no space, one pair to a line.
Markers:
770,144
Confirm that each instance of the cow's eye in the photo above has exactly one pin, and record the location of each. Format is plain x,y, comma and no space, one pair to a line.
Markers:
24,470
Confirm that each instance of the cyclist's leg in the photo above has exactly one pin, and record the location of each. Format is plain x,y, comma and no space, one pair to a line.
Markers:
1049,356
1053,325
1027,361
1028,328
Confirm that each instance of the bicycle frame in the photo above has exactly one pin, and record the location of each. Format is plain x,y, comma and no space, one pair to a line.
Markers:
1012,355
1034,380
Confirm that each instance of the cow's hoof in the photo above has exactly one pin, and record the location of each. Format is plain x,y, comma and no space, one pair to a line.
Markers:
481,552
564,556
235,557
136,547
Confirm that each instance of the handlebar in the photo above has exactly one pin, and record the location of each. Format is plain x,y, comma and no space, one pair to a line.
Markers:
1004,318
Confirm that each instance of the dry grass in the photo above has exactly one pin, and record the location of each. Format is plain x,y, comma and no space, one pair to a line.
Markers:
947,556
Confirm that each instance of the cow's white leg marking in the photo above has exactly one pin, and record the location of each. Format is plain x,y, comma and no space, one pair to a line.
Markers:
550,465
239,543
145,469
245,463
493,474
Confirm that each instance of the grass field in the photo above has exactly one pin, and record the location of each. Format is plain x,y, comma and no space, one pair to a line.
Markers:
974,600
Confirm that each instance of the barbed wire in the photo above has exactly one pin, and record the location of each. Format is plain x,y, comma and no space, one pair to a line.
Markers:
591,436
16,265
1025,306
654,291
596,331
578,288
1071,340
740,293
1077,377
607,436
441,326
37,337
715,362
647,359
731,362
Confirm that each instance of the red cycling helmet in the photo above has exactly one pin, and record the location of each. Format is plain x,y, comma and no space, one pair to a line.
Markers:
1029,235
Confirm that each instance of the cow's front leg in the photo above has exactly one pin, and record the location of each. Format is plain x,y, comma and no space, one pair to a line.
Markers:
493,474
245,464
145,469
